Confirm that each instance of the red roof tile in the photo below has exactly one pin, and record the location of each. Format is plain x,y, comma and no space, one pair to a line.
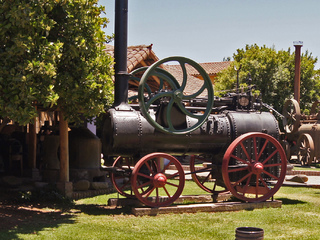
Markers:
212,68
193,83
142,55
137,55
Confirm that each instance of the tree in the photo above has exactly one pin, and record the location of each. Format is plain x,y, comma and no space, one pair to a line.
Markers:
52,54
273,74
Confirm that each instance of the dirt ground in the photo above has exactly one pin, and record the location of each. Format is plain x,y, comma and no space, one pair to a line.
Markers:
13,216
15,213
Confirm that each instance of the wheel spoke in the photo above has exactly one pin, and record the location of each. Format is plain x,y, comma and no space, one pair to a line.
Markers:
264,183
270,174
173,175
244,185
184,74
149,192
257,186
165,189
172,184
206,178
121,178
214,186
166,76
247,185
157,195
255,148
194,95
242,179
156,97
272,165
176,93
144,175
168,115
262,150
239,159
158,181
245,152
188,113
149,167
144,184
237,169
124,185
270,156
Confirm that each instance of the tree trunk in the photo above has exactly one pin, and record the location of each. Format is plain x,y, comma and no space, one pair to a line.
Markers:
32,145
64,149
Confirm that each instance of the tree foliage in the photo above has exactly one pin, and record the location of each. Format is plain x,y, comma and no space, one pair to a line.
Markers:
52,54
273,74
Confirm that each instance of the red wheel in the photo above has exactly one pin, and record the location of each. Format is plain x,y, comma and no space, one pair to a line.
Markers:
152,172
254,167
121,177
202,174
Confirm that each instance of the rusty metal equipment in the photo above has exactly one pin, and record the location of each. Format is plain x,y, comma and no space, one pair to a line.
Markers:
302,132
231,144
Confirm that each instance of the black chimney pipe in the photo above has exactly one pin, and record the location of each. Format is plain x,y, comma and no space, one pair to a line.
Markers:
120,55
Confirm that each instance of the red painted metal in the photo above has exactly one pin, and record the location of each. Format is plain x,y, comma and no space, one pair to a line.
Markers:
203,175
121,180
298,46
155,172
248,167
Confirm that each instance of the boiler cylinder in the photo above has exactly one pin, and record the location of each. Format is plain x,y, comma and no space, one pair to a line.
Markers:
128,133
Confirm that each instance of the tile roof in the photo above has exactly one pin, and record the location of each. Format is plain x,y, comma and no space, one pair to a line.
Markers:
212,68
215,67
138,56
193,83
142,55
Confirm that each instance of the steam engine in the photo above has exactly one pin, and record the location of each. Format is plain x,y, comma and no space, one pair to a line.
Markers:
232,144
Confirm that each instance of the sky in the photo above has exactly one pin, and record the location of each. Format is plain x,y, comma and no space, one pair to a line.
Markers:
211,30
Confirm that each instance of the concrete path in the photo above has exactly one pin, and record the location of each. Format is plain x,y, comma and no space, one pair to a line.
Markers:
313,181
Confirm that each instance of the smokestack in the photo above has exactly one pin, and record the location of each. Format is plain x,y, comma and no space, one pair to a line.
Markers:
297,45
120,54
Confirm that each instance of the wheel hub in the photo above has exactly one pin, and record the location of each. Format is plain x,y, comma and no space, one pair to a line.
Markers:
159,180
178,95
257,168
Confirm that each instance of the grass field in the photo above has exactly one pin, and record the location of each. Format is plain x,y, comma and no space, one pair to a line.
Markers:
307,168
298,218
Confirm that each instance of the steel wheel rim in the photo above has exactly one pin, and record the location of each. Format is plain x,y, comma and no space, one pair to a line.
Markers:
153,173
254,170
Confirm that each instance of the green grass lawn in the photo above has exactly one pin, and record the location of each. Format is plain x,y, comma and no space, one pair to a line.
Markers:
307,168
299,218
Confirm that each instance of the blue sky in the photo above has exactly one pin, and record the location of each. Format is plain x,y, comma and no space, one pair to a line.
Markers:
209,30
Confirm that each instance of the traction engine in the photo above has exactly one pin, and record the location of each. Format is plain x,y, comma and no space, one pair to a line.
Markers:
301,132
232,146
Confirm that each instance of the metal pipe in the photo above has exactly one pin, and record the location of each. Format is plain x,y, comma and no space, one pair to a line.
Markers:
120,53
297,45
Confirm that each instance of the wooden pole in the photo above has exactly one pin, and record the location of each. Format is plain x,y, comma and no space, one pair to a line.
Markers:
64,149
32,157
